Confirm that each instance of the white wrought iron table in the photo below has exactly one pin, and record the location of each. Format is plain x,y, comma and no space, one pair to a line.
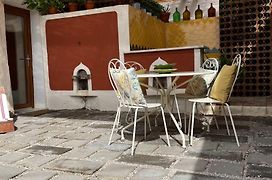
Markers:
165,93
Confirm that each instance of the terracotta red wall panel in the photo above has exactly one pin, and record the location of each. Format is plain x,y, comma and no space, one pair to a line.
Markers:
90,39
184,59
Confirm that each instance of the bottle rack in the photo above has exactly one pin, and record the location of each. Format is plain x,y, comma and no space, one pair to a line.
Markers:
245,28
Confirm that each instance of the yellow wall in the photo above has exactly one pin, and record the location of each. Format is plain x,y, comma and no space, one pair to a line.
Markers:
150,32
194,32
145,30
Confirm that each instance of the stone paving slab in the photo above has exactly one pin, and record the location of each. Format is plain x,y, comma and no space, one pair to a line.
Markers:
231,156
104,155
53,141
161,161
46,150
259,171
75,166
13,157
74,143
170,151
36,161
191,176
12,146
79,136
118,147
214,155
227,168
115,171
8,172
143,148
259,158
68,177
150,173
194,165
80,153
34,175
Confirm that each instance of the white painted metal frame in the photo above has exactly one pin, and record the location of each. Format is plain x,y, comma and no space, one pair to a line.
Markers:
209,64
116,64
136,66
165,93
237,62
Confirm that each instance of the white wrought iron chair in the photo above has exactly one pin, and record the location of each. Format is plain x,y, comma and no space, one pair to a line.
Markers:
216,88
210,65
127,89
4,112
139,69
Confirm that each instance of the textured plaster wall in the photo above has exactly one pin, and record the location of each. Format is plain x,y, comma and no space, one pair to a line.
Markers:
4,70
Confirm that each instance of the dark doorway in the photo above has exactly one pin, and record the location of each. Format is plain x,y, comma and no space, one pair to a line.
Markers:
19,55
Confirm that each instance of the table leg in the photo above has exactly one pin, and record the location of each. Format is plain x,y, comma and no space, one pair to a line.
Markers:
177,126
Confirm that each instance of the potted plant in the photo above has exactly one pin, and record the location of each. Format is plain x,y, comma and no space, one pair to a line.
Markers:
45,6
165,14
89,4
73,5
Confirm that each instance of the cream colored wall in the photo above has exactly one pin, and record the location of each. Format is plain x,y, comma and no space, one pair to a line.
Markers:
193,33
145,30
4,70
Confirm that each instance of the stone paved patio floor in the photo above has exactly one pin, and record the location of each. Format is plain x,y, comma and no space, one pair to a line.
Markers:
72,145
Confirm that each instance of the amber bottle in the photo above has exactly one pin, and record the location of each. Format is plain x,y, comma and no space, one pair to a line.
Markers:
186,14
198,13
211,11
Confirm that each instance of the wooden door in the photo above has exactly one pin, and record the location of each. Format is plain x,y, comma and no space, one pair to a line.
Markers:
19,55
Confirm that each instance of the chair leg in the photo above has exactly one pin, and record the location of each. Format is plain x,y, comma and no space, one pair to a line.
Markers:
127,116
189,124
215,120
185,118
226,121
134,131
233,126
192,124
145,119
165,127
177,106
148,120
116,120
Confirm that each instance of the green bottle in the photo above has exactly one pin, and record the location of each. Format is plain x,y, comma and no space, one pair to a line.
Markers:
198,13
176,16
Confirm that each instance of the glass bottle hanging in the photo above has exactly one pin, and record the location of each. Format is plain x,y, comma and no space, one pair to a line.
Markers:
198,13
211,11
176,16
186,14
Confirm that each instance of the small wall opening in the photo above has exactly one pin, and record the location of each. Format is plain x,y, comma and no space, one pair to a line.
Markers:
82,80
82,84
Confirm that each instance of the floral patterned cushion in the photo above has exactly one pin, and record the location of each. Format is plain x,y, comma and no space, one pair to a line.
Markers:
128,84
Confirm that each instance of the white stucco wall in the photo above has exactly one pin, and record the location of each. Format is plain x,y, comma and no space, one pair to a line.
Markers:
38,61
4,70
102,100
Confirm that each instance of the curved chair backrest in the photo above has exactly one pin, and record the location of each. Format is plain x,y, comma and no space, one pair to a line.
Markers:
116,64
125,84
211,64
133,64
236,61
